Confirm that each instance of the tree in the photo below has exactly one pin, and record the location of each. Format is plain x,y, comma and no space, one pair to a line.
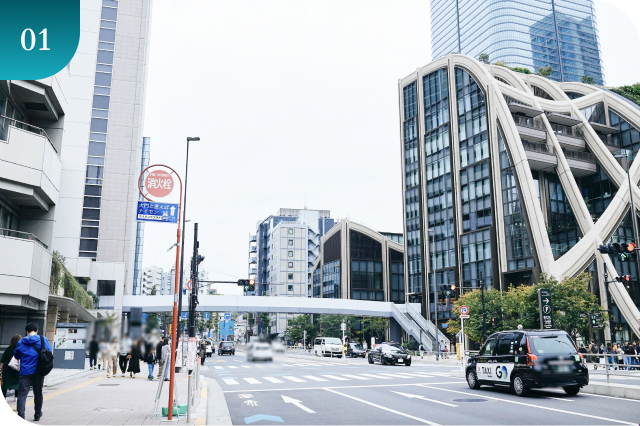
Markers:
265,320
631,92
298,325
376,327
587,79
484,58
545,71
519,306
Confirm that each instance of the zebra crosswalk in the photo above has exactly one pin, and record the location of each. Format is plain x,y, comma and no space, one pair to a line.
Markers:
327,378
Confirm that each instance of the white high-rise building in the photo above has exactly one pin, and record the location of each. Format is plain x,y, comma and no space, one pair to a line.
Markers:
151,276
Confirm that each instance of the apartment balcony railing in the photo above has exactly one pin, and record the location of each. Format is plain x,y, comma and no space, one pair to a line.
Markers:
252,238
570,131
537,147
5,122
579,155
21,235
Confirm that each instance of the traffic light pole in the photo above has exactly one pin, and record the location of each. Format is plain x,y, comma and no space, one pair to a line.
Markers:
194,285
632,211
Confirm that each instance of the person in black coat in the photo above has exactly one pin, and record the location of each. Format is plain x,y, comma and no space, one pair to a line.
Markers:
94,348
134,359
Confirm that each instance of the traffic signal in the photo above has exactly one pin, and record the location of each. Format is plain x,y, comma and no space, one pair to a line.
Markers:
200,259
493,320
448,289
624,279
626,251
249,285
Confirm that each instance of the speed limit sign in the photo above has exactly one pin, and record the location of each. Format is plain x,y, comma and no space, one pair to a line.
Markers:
464,310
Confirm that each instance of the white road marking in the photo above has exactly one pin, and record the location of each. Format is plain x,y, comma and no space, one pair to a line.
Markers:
401,375
273,380
218,367
347,387
233,366
245,366
334,377
534,406
230,381
408,395
353,376
376,376
294,379
559,399
383,408
317,379
252,380
297,403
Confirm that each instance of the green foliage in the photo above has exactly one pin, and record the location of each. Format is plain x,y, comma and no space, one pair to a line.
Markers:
94,297
61,277
519,306
298,325
516,69
545,71
587,79
154,290
630,92
265,319
484,58
376,327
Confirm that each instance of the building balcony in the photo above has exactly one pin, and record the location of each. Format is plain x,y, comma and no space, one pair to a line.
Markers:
252,239
539,155
530,128
581,163
253,249
29,165
253,260
25,269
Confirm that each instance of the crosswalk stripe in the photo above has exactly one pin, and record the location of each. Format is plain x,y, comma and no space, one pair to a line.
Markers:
217,367
317,379
230,381
293,379
251,380
245,366
420,374
232,366
353,376
335,377
273,380
376,376
402,375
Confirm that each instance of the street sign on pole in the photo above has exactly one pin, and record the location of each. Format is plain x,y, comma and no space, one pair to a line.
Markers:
205,315
343,326
464,310
157,212
185,315
159,183
546,309
464,316
582,315
227,316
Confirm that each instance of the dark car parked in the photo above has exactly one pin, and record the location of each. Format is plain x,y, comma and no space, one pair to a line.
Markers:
389,353
355,350
526,359
226,348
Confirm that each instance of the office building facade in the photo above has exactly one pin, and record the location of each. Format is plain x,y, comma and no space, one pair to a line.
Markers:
95,227
137,269
356,262
562,34
503,182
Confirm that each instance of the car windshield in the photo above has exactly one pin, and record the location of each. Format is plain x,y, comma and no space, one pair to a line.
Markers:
396,348
359,347
552,344
227,345
332,341
262,346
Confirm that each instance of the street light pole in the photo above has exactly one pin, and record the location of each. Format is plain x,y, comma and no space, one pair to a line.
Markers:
484,313
435,287
184,218
632,211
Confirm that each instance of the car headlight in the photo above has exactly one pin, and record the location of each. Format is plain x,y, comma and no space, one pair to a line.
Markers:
408,356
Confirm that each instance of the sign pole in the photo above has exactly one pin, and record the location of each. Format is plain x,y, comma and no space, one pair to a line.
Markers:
546,309
462,341
175,298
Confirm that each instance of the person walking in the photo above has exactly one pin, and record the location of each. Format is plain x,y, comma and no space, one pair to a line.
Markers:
134,359
151,360
626,350
166,354
10,377
203,352
442,348
124,354
94,349
103,348
28,352
159,346
112,357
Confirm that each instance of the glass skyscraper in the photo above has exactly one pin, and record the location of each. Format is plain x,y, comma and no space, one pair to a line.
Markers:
562,34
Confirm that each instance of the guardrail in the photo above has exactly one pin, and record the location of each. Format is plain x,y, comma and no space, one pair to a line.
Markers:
613,364
22,235
6,121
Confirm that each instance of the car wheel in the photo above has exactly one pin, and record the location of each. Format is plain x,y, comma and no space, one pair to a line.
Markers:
519,386
407,363
370,360
472,380
571,390
382,361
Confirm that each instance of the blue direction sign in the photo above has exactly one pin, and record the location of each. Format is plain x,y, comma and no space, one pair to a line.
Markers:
227,316
185,315
205,315
157,212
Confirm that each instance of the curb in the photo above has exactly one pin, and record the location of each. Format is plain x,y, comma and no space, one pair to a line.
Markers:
217,412
201,412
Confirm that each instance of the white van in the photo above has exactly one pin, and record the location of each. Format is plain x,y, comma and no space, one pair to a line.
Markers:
327,346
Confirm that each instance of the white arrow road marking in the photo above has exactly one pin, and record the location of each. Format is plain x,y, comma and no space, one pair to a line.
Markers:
297,403
408,395
383,408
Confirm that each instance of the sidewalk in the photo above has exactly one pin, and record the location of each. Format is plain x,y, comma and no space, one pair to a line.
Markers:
95,399
61,375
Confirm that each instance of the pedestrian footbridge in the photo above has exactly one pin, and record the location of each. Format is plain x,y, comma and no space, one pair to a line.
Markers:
407,316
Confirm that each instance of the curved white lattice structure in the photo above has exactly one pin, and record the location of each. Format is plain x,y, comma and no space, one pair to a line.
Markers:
507,92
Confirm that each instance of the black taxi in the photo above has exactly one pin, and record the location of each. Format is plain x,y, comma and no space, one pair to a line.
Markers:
526,359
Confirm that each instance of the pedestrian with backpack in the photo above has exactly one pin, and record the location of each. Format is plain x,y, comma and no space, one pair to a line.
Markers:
36,361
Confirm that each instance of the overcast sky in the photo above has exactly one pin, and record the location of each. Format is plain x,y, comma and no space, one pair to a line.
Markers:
296,104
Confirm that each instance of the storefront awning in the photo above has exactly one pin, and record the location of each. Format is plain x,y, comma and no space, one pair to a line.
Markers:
66,304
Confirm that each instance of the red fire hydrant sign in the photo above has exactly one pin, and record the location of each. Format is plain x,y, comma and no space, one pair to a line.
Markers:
159,183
